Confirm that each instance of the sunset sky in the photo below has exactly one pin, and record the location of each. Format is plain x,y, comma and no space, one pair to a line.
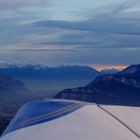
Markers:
55,32
107,66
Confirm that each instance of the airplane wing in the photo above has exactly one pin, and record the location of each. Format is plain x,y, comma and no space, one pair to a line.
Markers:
72,120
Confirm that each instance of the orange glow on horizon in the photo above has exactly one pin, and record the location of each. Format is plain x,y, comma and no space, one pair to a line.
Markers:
102,67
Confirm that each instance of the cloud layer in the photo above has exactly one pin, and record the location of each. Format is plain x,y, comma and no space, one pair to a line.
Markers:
16,4
109,34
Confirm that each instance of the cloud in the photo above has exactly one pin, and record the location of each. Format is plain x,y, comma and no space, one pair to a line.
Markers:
105,24
102,30
110,19
16,4
68,43
108,36
44,50
126,5
111,28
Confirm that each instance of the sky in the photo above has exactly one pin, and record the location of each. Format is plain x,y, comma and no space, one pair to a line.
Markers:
70,32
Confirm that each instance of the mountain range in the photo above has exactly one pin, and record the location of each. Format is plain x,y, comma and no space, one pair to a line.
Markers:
122,88
131,71
50,80
41,71
11,88
10,84
13,94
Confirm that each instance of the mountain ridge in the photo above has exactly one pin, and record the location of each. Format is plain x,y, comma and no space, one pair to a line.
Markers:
108,89
132,70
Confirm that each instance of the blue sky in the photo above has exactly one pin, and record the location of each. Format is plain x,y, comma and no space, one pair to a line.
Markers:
54,32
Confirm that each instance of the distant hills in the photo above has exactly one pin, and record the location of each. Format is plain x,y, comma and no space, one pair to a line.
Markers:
63,72
40,71
11,87
13,94
47,81
121,88
50,80
10,84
